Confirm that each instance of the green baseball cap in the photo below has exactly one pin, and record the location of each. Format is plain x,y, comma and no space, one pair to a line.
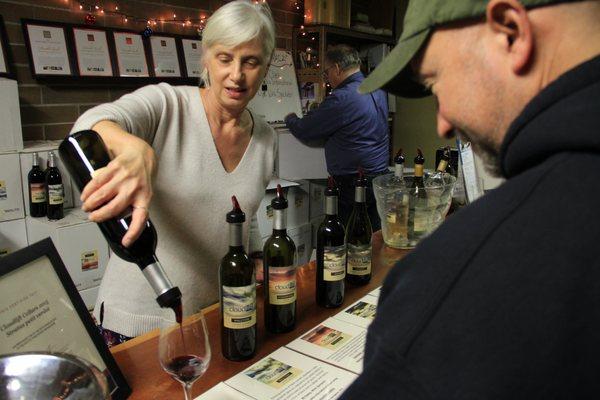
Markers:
394,74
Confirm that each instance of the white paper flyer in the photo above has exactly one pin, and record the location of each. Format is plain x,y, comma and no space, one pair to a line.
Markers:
361,313
223,392
334,342
287,375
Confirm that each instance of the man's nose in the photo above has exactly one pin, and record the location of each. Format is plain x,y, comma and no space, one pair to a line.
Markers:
445,129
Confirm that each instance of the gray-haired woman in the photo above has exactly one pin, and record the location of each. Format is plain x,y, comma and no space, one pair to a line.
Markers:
187,149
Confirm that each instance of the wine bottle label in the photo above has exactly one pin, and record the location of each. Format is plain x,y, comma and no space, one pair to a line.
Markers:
282,285
38,192
418,169
442,165
359,259
334,263
239,306
3,194
55,194
420,219
89,260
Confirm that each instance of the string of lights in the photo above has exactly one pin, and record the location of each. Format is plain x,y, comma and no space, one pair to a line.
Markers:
96,8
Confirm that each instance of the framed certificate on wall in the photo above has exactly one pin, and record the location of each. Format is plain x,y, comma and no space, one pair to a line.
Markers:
131,54
165,58
41,310
91,49
4,60
47,47
192,56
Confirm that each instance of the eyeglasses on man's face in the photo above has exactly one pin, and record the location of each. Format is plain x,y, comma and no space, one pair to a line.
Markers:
326,71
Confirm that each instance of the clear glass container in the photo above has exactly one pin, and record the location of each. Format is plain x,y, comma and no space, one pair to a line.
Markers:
406,218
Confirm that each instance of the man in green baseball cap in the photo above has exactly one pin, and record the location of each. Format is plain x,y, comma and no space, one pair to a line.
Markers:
502,301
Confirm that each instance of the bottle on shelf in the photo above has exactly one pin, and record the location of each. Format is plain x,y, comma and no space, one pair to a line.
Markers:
397,214
417,208
84,152
36,180
55,195
358,236
238,293
331,252
279,255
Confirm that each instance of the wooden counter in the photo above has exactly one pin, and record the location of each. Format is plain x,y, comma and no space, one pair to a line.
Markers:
138,358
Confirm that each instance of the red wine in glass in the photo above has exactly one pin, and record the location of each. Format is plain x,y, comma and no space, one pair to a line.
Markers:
186,368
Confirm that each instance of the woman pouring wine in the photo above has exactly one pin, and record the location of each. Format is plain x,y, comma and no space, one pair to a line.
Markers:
179,153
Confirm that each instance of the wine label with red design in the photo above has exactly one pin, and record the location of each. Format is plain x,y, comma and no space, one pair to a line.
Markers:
334,263
38,192
55,194
282,285
239,306
359,259
89,260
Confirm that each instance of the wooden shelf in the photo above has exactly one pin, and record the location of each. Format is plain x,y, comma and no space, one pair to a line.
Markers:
349,33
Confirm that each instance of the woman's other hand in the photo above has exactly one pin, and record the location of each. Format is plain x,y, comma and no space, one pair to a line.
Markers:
125,182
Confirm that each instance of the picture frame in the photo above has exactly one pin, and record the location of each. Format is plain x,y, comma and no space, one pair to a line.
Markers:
5,61
92,52
191,50
41,310
130,54
165,56
49,48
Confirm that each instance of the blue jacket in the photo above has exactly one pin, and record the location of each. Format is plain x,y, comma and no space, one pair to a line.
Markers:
353,126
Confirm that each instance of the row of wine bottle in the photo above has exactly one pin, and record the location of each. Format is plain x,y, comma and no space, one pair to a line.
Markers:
46,191
341,256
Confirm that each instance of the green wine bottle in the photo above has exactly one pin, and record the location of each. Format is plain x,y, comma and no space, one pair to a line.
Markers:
358,236
417,202
238,293
331,252
279,255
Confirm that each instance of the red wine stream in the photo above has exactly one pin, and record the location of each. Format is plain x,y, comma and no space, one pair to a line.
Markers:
179,318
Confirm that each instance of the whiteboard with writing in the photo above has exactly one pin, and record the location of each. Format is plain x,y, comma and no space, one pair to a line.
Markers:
279,94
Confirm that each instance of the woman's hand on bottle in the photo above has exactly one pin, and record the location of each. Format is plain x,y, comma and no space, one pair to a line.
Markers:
126,182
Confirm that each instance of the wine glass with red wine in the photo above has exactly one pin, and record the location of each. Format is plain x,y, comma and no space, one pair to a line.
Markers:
183,350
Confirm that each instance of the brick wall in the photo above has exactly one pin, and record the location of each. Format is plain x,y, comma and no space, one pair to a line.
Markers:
49,110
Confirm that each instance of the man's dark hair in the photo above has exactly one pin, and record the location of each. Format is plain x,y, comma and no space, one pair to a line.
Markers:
344,56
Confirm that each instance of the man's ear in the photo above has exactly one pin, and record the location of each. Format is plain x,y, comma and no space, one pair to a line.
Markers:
509,20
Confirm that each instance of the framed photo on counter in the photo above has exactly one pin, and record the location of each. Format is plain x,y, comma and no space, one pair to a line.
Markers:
165,57
93,54
41,310
131,54
47,47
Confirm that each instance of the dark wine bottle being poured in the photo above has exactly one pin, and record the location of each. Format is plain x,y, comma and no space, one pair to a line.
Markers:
84,152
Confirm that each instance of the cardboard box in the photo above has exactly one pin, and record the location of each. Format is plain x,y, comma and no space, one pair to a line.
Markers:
42,147
89,296
11,192
80,243
13,236
314,224
302,239
317,197
298,205
295,160
11,136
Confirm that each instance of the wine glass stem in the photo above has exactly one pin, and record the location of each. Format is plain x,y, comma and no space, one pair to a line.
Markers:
187,389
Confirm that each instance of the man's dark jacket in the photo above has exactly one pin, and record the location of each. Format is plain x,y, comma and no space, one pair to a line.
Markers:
503,300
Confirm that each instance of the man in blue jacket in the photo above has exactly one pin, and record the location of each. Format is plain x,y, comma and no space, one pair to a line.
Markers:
352,126
503,300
